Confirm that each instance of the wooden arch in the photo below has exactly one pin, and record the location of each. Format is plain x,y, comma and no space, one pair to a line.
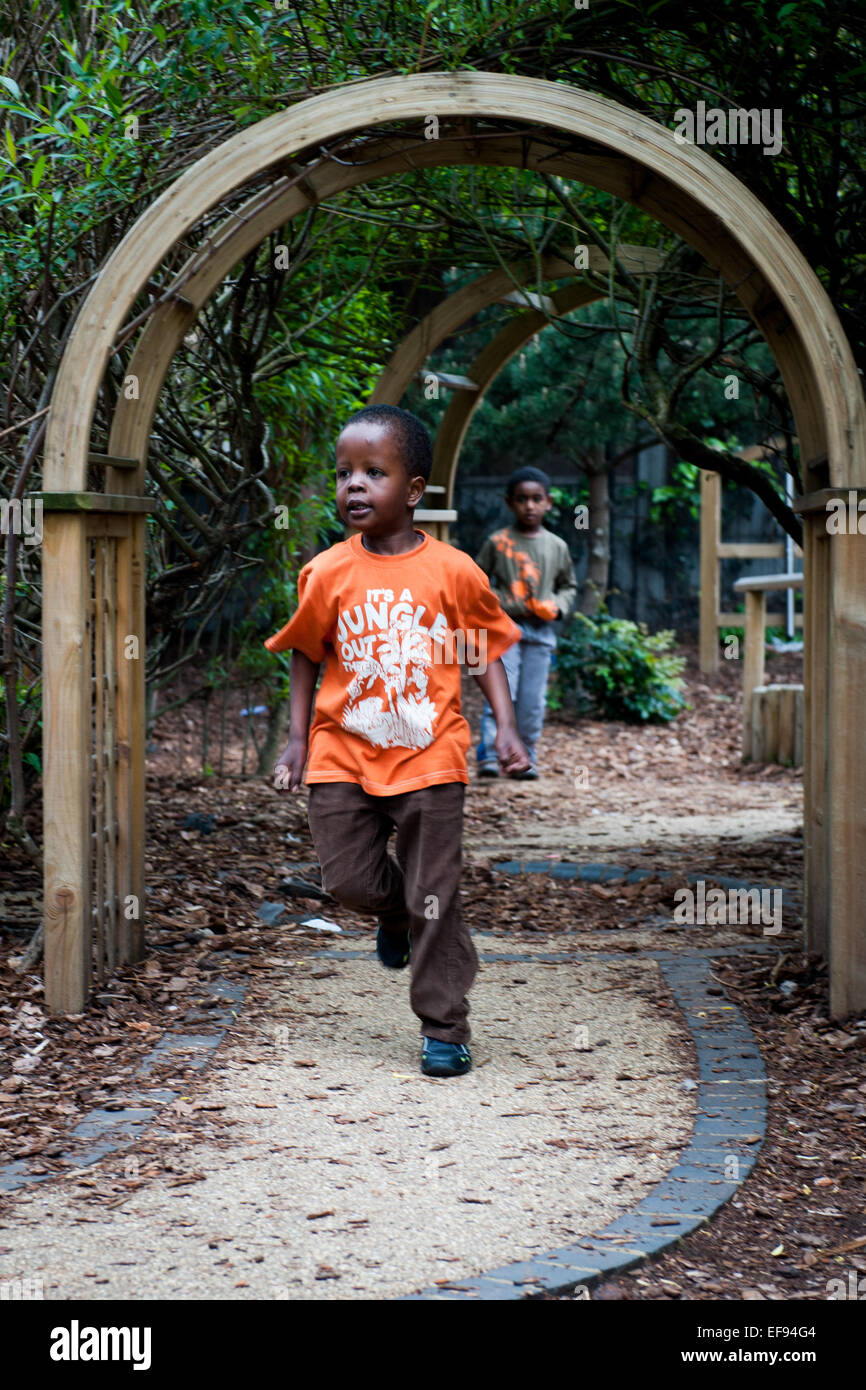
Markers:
450,314
630,156
456,309
484,370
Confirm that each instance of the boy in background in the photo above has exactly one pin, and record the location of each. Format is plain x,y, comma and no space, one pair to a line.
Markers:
531,572
388,743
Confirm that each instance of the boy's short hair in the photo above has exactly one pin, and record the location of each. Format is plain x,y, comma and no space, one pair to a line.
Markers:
527,475
413,438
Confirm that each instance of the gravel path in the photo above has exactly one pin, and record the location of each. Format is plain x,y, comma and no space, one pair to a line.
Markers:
632,835
338,1171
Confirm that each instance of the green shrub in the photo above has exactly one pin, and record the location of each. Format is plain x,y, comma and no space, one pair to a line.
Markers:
618,670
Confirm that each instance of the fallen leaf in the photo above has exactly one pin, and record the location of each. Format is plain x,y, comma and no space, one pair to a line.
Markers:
182,1182
849,1245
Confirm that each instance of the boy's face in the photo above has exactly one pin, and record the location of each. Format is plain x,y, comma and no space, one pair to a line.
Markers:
374,491
530,504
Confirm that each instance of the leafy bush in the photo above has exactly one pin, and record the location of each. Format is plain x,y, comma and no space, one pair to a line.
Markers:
615,668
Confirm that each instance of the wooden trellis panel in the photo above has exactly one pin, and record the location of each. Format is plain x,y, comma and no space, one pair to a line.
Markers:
105,910
94,705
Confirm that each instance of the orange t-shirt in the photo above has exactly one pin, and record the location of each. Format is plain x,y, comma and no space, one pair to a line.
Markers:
392,631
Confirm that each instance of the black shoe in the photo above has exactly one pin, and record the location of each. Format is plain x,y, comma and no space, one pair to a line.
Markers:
488,769
393,950
444,1058
530,774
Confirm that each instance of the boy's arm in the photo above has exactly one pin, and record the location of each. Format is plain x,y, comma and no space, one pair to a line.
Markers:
302,688
564,584
493,683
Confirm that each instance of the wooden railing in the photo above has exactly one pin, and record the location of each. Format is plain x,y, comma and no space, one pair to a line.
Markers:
713,550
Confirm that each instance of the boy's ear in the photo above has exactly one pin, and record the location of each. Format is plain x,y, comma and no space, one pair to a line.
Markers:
417,488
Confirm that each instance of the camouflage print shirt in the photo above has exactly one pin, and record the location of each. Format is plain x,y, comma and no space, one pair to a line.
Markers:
532,576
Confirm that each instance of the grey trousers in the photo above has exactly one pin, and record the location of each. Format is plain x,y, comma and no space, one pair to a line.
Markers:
526,664
417,892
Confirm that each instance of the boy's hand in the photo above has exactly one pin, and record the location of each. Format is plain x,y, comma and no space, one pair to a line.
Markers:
510,751
289,767
543,608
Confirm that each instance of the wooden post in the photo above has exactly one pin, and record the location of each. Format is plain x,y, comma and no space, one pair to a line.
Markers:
790,699
66,760
753,660
711,511
816,675
755,591
765,714
800,729
102,933
82,628
777,724
846,775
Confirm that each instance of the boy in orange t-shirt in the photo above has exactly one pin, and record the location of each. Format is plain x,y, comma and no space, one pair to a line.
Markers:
393,612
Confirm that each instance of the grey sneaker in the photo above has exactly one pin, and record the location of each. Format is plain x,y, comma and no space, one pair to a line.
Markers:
529,775
488,769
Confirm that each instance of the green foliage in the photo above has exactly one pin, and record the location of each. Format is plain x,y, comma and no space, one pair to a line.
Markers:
683,492
565,499
618,670
556,399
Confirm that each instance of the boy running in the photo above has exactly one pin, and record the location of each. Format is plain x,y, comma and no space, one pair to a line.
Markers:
384,610
530,569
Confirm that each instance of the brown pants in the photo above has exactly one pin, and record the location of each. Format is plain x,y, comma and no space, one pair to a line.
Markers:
418,893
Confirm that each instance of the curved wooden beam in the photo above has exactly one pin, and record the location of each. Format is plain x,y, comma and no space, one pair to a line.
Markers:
461,305
270,209
658,173
453,311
